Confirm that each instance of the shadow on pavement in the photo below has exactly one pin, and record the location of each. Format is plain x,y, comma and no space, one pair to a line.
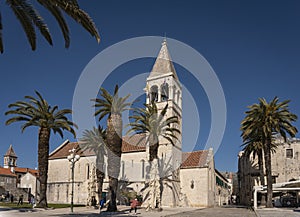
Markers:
103,213
2,209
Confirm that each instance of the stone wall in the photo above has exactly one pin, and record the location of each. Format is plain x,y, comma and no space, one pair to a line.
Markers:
285,167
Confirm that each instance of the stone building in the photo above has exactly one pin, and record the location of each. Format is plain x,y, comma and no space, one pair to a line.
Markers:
285,168
8,181
223,189
11,176
188,178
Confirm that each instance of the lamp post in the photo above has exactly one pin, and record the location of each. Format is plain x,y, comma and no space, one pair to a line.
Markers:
72,159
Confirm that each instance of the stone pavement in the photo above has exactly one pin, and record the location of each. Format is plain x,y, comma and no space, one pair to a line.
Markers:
277,212
88,212
226,211
170,212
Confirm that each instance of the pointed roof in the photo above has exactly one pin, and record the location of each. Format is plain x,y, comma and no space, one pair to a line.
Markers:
163,63
10,152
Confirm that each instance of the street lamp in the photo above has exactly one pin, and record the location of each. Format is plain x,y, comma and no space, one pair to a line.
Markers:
73,159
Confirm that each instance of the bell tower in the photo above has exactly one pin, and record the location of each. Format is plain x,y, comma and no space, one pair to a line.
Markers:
10,158
163,87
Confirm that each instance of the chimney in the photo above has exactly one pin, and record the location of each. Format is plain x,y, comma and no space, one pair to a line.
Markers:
12,169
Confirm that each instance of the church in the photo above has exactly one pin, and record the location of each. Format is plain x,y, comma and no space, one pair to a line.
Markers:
189,178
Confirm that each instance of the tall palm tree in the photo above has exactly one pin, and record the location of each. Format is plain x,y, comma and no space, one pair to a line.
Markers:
112,106
262,120
30,19
155,124
37,112
95,140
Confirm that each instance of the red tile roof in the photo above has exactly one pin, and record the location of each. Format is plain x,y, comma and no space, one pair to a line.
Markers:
25,170
194,159
133,143
6,172
64,151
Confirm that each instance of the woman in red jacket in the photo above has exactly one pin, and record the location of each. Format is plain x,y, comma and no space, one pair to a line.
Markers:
134,205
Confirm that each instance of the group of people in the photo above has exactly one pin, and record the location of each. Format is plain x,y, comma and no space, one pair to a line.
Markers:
133,205
31,200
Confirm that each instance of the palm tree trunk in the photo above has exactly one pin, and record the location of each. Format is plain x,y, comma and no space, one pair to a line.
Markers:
155,182
261,174
100,172
261,167
43,153
114,143
269,173
153,148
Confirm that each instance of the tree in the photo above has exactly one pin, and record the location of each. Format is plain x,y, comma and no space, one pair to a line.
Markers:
262,121
155,124
112,106
256,148
30,19
37,112
95,140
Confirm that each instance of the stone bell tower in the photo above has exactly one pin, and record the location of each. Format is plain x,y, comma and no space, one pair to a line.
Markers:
10,158
163,87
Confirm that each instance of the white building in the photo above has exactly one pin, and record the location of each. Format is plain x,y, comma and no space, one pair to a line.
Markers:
189,178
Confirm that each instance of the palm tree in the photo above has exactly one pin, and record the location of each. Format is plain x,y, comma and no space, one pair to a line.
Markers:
256,148
112,106
30,19
261,122
95,140
155,124
37,112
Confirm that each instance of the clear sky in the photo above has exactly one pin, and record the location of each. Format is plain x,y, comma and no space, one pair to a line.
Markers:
253,47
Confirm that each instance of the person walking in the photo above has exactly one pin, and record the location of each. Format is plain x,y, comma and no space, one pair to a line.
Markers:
32,201
134,205
20,200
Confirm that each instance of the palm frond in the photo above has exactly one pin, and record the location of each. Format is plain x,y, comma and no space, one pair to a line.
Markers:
55,11
24,19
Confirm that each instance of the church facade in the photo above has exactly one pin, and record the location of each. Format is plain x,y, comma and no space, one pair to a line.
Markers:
188,178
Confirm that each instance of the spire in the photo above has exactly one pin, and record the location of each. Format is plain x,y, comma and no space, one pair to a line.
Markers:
10,152
163,63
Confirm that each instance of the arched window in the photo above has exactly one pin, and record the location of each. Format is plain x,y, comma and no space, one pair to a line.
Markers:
143,168
164,92
154,94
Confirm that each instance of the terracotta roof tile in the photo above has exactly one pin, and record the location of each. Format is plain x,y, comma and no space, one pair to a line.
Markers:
25,170
194,159
63,151
133,143
6,172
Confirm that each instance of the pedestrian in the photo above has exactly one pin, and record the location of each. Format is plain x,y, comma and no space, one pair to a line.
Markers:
32,201
11,198
29,198
102,201
20,200
134,205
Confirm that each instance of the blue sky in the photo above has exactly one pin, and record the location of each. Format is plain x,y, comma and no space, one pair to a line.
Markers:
253,47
